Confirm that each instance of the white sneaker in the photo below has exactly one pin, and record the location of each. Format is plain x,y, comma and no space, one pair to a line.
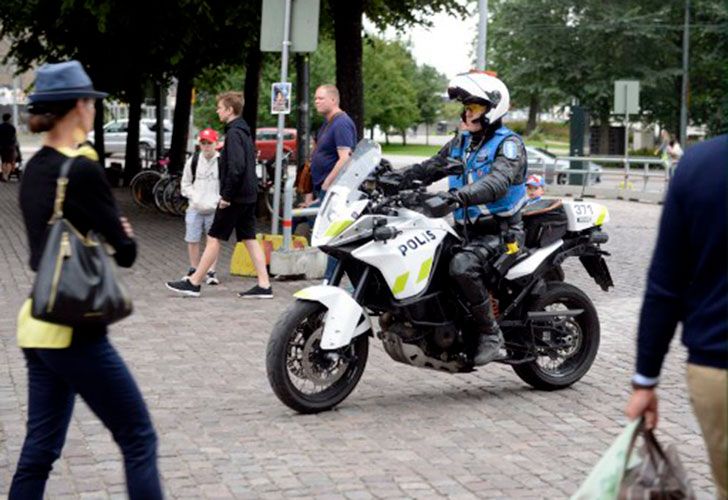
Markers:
212,278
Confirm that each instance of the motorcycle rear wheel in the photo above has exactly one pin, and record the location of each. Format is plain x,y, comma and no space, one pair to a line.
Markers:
294,360
582,342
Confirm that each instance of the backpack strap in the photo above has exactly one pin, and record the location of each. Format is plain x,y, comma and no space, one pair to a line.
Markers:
195,160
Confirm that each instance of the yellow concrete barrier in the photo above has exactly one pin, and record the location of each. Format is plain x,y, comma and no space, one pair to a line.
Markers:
242,265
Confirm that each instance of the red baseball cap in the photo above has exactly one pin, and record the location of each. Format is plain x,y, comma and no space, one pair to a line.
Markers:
207,134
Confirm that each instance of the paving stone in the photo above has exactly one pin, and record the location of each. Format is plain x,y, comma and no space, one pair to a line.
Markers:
403,433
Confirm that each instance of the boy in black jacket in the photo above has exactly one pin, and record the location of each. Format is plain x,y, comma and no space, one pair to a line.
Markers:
236,210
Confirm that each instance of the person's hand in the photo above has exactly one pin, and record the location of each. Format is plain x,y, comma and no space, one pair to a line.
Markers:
451,198
643,403
223,204
126,226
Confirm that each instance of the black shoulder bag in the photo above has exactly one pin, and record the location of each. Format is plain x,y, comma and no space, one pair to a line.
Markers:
76,283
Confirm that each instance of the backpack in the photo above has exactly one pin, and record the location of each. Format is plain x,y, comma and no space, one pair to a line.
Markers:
195,160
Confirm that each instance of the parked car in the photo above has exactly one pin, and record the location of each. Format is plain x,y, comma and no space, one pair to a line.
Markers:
265,143
115,136
557,170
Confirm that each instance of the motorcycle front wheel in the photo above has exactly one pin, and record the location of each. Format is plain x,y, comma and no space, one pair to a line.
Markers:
566,352
305,377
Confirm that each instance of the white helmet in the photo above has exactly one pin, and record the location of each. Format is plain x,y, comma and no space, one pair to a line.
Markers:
481,88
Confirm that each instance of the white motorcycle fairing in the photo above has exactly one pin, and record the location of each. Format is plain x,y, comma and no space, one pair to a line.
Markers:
530,264
340,322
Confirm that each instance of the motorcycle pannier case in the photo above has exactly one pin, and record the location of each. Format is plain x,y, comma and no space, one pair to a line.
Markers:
544,222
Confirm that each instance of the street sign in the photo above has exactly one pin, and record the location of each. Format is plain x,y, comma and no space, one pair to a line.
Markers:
626,97
304,25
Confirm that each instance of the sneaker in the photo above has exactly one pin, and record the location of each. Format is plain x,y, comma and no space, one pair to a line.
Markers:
190,272
212,278
257,292
184,287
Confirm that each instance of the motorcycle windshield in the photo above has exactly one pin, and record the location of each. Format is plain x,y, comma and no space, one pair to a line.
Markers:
336,214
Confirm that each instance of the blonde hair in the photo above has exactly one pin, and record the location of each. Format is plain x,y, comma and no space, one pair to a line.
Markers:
232,100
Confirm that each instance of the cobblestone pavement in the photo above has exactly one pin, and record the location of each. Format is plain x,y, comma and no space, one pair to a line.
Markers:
403,433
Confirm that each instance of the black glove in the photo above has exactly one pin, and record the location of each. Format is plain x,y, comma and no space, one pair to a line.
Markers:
452,198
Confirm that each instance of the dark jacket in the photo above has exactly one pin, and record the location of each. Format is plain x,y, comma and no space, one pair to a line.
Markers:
89,205
238,182
688,277
504,172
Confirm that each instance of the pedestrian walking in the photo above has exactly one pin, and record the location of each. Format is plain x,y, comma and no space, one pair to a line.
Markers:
688,283
63,361
236,208
8,147
201,186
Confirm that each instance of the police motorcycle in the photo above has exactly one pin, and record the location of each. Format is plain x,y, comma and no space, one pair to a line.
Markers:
394,246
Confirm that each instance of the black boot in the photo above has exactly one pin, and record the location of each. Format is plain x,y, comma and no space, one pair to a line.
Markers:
491,342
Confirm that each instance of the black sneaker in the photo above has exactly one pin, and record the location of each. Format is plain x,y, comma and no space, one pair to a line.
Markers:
184,287
212,278
257,292
190,272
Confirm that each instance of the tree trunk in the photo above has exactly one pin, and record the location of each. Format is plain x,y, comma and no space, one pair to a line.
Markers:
371,134
386,138
348,40
533,109
181,123
253,66
132,165
427,134
99,132
404,136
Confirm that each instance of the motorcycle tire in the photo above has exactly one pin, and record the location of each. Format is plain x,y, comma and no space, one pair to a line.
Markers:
306,318
580,361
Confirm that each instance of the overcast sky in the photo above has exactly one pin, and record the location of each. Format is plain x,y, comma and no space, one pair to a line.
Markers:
447,45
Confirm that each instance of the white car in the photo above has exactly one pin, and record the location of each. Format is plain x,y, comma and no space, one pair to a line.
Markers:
115,136
544,162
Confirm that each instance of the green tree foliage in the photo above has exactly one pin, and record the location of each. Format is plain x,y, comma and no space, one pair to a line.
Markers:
429,85
552,51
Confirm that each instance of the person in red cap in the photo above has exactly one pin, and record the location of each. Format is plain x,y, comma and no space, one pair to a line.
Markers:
534,188
201,187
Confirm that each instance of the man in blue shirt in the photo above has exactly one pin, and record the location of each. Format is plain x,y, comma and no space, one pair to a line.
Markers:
688,283
335,141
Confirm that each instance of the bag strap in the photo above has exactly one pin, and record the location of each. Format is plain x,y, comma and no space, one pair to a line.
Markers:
61,184
193,166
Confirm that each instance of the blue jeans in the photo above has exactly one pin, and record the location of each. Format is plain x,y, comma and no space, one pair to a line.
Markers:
95,371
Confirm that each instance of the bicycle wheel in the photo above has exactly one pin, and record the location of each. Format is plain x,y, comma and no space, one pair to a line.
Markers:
171,193
159,194
142,188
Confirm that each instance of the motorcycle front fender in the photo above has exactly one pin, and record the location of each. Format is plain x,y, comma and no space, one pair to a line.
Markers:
345,318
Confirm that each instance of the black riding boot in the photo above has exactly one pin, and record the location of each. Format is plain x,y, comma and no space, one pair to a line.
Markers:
491,342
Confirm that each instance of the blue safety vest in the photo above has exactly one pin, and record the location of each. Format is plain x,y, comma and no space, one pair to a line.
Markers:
477,164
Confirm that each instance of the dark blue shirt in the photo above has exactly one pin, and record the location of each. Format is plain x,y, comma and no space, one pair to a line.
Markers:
339,133
688,277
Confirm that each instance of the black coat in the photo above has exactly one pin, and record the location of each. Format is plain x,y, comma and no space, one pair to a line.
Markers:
238,182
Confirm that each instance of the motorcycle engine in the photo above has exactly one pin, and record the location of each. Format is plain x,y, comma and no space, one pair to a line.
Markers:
425,347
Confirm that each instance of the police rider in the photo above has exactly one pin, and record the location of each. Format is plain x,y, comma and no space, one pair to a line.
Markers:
492,189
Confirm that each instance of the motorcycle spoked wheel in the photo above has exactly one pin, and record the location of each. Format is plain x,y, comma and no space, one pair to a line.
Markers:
306,378
578,340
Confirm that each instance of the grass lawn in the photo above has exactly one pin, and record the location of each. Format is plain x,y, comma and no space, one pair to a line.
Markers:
557,147
410,149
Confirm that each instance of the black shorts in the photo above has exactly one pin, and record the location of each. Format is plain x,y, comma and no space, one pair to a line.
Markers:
7,154
238,216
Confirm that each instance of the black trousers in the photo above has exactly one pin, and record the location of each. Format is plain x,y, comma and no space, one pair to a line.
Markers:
470,265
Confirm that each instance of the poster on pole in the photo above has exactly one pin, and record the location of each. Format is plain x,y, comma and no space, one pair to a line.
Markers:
280,98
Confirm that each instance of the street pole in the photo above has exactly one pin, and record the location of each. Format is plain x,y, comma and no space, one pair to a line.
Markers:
685,58
281,120
482,33
16,90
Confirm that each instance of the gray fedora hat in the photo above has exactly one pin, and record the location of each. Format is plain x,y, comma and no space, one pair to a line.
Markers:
61,82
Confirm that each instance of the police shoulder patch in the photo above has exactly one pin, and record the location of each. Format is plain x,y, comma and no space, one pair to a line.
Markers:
510,149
